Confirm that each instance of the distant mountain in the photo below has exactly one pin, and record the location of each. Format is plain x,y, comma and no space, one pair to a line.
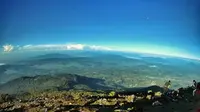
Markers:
42,64
86,53
116,56
99,64
46,82
52,55
73,53
111,56
92,58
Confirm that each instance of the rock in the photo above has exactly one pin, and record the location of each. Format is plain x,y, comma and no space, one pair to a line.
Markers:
130,109
130,98
156,103
158,94
69,97
120,110
58,109
6,98
46,110
112,93
149,97
62,108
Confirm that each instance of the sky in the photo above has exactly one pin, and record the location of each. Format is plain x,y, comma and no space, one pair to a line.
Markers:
155,26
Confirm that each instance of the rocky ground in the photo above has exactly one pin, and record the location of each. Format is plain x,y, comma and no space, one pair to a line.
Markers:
96,101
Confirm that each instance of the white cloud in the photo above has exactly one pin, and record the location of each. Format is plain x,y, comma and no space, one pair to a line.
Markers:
75,47
43,47
8,48
99,48
62,47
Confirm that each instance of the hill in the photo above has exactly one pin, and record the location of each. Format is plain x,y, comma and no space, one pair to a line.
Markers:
52,55
47,82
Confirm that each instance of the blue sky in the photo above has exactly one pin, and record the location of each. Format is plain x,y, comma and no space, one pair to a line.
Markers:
145,24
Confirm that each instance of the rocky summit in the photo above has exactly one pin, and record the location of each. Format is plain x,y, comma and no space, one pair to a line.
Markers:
74,93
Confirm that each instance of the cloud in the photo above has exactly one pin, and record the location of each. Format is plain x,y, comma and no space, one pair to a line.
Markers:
56,47
8,48
99,48
43,47
61,47
75,47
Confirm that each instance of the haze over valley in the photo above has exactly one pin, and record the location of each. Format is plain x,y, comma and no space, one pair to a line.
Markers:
117,69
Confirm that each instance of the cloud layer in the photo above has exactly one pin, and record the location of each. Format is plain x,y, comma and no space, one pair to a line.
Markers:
57,47
46,47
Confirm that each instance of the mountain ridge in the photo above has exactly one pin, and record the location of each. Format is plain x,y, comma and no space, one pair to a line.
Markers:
45,82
